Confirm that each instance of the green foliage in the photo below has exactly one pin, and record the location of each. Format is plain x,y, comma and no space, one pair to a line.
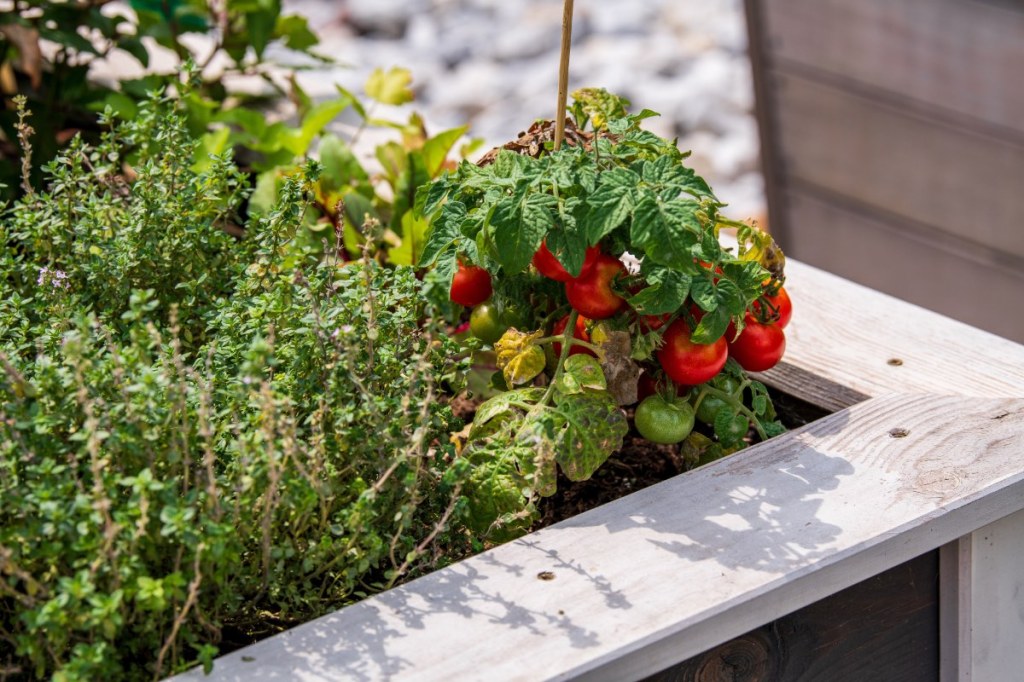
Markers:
200,434
64,99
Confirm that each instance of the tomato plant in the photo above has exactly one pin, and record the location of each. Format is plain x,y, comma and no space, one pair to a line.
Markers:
778,305
655,293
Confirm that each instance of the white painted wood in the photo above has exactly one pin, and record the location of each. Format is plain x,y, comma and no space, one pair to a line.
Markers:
996,614
954,607
675,569
844,336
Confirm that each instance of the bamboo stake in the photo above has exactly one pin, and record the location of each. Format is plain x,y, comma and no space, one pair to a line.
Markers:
563,74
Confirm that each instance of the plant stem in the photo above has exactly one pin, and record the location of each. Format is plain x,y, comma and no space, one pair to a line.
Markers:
567,340
736,404
563,74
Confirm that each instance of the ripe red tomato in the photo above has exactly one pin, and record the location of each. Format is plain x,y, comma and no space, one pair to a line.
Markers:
548,265
781,303
591,293
690,363
759,346
471,285
580,333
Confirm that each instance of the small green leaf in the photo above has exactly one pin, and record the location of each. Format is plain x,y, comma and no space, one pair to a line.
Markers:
390,87
587,428
413,238
295,31
581,372
712,326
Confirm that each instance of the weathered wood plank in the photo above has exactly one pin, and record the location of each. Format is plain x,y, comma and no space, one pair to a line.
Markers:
955,180
845,339
884,628
697,560
950,54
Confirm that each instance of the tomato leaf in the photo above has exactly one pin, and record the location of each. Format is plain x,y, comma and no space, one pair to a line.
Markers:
712,326
666,230
520,227
611,203
666,293
581,372
519,357
587,428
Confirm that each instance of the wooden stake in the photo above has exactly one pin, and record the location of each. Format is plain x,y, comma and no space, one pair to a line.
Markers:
563,74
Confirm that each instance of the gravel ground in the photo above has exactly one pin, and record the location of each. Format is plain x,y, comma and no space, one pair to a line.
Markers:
494,65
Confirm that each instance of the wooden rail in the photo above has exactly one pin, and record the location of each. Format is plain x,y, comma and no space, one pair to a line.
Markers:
925,453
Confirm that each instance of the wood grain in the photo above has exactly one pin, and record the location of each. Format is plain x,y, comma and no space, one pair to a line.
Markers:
673,570
952,55
956,180
846,335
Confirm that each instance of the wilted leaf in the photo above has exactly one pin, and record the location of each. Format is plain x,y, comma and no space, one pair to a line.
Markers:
620,371
519,357
586,428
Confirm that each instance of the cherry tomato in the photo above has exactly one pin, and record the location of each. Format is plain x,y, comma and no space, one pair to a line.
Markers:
486,324
759,346
690,363
591,293
661,421
548,265
580,333
781,303
470,285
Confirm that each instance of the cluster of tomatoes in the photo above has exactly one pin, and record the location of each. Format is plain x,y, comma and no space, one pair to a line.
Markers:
758,347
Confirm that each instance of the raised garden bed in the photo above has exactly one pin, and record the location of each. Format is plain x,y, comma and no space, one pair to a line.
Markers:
923,453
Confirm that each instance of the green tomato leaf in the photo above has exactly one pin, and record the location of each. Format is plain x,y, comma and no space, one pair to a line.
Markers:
666,230
520,227
712,326
390,87
341,167
611,203
503,404
444,233
666,293
295,31
581,372
587,428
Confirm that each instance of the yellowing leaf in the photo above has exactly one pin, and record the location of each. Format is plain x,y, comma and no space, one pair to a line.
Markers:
391,87
519,357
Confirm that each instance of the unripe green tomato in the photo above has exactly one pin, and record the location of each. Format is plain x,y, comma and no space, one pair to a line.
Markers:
661,421
486,324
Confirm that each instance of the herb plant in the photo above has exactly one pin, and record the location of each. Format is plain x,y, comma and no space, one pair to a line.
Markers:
203,438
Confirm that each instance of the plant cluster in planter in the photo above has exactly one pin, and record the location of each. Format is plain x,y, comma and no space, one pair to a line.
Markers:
226,411
597,275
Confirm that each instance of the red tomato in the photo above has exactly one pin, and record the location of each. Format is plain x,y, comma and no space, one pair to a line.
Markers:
471,285
591,293
690,363
652,322
781,303
759,346
580,333
548,265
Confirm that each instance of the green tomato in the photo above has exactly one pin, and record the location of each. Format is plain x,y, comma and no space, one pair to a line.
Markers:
486,324
665,422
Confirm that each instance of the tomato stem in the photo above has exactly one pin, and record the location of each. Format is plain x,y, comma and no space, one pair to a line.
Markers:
734,402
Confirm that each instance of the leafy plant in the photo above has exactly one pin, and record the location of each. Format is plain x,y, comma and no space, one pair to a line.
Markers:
616,195
202,438
65,100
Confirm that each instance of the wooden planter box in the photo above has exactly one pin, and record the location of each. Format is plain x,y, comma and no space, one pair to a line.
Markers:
883,542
